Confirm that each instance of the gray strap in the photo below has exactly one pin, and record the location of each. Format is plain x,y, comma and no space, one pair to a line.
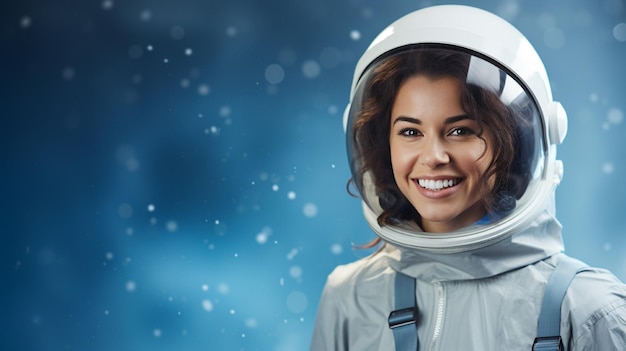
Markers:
549,327
403,320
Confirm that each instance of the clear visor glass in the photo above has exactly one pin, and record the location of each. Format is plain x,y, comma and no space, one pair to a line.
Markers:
437,135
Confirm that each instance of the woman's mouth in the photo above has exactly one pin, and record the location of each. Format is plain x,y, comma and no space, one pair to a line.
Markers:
435,185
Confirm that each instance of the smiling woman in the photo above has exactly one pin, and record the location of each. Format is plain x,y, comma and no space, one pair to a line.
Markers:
428,120
438,159
452,135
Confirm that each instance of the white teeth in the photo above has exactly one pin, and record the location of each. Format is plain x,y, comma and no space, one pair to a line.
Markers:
437,184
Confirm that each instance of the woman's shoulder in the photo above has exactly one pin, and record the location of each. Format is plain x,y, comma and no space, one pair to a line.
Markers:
595,305
361,272
592,289
595,287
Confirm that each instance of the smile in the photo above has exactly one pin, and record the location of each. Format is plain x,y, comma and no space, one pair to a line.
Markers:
438,184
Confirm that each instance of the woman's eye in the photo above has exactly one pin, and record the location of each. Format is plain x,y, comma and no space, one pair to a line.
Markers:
461,131
408,132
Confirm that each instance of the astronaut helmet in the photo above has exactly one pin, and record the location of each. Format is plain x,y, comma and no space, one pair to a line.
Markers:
413,155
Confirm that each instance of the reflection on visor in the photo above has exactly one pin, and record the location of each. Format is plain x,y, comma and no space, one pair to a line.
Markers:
493,98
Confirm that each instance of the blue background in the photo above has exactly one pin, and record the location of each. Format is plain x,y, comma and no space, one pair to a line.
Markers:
173,172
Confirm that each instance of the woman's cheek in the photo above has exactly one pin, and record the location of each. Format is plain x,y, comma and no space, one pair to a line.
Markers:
403,158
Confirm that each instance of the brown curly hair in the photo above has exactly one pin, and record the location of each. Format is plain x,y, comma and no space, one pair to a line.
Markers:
371,128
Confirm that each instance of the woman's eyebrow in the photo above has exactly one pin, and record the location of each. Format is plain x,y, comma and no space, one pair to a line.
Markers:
448,120
454,119
407,119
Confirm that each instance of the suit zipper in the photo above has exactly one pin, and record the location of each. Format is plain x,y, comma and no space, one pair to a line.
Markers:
441,308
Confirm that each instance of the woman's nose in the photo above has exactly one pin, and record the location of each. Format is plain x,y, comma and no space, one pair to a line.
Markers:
434,153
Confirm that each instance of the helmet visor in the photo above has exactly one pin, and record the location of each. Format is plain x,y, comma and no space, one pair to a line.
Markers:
505,123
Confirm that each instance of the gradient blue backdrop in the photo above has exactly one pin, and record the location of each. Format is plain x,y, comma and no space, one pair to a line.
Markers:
173,172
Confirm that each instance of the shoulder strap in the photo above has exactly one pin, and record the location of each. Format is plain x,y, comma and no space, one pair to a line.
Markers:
403,320
549,327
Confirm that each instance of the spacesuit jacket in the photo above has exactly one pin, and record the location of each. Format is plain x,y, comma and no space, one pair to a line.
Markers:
481,299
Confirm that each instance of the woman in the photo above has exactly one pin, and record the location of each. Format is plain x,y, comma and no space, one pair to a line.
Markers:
414,83
452,134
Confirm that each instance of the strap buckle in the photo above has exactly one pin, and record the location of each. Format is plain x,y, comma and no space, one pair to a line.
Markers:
549,343
402,317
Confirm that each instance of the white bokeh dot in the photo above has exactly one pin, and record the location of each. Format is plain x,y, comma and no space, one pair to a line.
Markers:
295,272
131,286
145,15
606,126
311,69
223,288
207,305
261,238
274,73
107,4
509,9
125,210
367,13
231,31
204,89
251,323
297,302
68,73
292,254
26,22
615,116
225,111
336,249
177,32
355,35
263,235
619,32
309,210
607,168
171,226
291,195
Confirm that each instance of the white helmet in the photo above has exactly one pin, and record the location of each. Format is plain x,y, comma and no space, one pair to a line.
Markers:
500,61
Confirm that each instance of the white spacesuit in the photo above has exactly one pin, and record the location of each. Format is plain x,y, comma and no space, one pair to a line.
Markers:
480,285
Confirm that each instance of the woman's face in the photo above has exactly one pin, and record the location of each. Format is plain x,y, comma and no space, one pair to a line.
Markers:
437,156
